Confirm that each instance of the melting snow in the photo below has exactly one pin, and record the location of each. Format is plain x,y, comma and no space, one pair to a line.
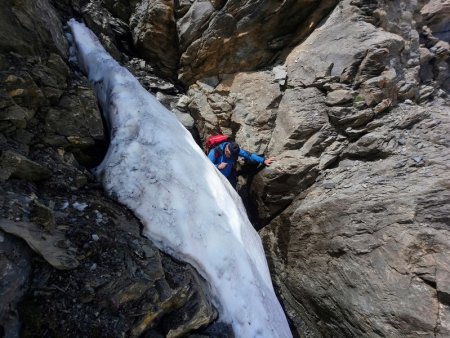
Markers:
188,208
80,206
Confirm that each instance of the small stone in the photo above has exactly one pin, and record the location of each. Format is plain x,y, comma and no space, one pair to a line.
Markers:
338,97
42,215
355,133
401,141
400,164
432,124
329,185
80,181
79,206
280,74
359,104
99,217
211,81
183,102
382,106
95,237
93,267
418,158
441,93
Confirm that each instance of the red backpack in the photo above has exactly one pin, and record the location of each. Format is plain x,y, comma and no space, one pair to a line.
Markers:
214,141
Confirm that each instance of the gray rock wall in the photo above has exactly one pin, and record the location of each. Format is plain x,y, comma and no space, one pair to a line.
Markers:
356,202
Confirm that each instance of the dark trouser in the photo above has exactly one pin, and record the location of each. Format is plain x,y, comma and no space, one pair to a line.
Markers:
233,179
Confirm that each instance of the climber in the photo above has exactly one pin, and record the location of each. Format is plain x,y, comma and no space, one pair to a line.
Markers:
225,155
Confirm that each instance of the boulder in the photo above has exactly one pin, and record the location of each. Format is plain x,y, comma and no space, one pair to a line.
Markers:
52,77
339,97
18,166
154,33
194,22
75,123
253,115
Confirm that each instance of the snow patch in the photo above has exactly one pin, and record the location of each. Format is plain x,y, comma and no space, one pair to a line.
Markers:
189,210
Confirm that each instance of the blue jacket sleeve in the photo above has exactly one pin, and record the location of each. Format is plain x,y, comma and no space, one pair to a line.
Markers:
250,156
212,156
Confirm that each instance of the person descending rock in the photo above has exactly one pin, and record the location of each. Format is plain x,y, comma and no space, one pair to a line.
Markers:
225,155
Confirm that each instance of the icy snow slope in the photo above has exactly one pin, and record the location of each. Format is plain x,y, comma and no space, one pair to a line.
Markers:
188,208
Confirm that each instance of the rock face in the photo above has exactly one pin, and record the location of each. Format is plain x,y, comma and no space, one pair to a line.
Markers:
369,240
356,203
198,39
241,35
154,33
30,27
353,253
73,262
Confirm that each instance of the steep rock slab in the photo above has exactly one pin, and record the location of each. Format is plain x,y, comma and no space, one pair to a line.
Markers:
335,45
301,113
357,253
361,252
341,79
29,27
240,35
